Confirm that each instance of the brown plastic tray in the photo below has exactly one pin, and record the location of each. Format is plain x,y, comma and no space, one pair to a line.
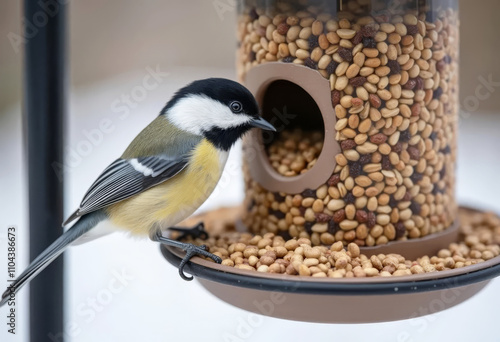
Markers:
342,300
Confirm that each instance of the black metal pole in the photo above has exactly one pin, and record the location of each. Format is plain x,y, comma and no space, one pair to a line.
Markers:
44,106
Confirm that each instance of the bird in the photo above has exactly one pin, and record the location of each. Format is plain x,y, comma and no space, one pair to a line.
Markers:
168,170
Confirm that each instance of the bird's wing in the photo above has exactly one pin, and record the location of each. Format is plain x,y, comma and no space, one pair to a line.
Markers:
127,177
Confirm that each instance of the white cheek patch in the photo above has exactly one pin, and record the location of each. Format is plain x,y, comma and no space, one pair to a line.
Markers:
198,113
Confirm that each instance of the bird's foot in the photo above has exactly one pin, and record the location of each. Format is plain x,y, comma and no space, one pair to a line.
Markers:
190,249
194,232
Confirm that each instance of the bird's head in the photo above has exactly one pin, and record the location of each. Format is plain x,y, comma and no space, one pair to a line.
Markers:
221,110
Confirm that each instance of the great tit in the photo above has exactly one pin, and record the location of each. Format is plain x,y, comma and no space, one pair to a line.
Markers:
165,174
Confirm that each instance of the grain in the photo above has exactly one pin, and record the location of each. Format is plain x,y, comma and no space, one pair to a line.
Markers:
480,241
295,152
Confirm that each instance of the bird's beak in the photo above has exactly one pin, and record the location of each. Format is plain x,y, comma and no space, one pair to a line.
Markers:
261,123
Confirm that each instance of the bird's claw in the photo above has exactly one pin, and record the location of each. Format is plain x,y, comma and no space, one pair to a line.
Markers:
192,250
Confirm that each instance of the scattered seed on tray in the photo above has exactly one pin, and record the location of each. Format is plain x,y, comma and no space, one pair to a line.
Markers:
479,241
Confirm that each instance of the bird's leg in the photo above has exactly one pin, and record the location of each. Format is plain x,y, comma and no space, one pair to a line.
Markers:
197,231
190,249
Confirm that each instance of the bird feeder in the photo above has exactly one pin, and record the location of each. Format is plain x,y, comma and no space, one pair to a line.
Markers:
364,96
378,81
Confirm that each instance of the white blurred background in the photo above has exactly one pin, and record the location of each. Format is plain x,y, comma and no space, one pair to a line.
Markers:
113,46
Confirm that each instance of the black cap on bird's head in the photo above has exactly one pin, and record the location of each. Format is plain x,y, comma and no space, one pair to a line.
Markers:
219,109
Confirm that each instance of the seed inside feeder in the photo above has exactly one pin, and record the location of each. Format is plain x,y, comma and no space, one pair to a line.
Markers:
393,86
295,152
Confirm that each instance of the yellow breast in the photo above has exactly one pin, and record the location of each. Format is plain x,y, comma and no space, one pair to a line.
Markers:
174,200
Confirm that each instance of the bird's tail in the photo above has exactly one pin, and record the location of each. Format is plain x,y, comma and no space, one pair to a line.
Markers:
86,223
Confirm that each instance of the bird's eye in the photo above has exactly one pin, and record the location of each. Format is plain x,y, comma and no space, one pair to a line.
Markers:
236,106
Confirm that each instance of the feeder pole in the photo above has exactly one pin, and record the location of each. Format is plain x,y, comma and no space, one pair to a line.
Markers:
44,107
